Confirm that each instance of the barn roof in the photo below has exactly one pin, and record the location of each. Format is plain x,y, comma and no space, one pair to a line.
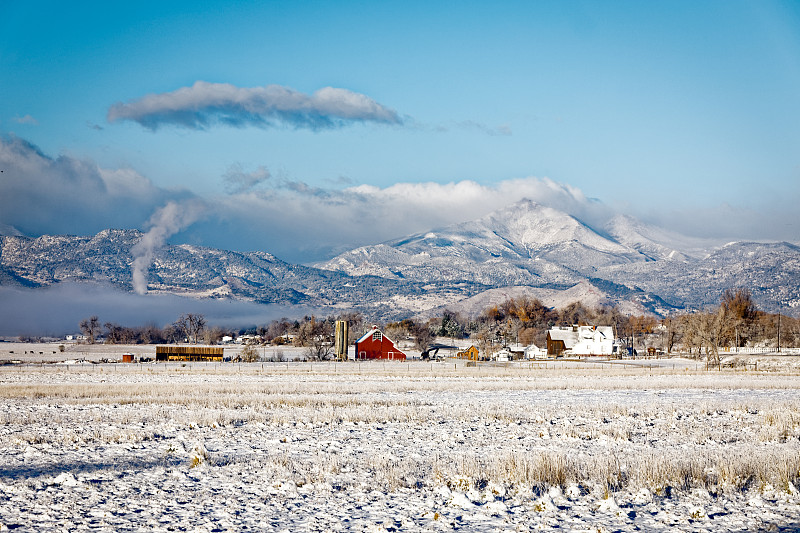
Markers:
571,336
370,332
567,336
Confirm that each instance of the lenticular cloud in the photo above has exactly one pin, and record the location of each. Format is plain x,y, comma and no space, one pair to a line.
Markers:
207,104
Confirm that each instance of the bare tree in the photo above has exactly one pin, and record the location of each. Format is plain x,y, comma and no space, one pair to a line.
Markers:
574,313
117,334
91,328
672,334
739,303
213,335
690,326
741,311
485,340
720,326
713,326
422,335
317,336
191,325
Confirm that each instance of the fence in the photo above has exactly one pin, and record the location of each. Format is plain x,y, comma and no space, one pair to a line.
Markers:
760,351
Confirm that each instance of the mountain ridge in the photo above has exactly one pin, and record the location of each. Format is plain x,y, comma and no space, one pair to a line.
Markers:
627,263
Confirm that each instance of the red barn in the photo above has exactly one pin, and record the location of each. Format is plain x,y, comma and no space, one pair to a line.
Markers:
375,345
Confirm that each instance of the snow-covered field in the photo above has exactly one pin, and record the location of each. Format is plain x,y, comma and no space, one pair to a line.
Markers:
397,447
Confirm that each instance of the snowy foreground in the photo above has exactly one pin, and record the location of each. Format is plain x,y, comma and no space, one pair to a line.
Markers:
396,447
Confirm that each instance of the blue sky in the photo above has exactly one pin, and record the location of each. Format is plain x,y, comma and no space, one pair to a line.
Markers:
686,114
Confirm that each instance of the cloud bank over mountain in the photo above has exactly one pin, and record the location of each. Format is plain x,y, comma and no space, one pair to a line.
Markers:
298,222
205,104
40,194
315,222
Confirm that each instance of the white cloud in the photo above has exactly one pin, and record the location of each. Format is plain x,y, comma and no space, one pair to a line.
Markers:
501,130
238,181
27,119
207,104
299,222
44,195
302,223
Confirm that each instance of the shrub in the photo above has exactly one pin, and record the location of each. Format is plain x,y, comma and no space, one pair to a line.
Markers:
249,354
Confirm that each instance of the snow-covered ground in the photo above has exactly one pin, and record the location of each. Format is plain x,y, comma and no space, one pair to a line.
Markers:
57,352
396,447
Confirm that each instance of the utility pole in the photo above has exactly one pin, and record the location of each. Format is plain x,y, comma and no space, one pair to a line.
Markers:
779,332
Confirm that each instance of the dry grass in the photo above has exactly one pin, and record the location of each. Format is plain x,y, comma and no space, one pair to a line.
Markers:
519,432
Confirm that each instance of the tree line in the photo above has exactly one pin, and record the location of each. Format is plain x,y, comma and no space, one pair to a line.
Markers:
735,322
310,332
189,327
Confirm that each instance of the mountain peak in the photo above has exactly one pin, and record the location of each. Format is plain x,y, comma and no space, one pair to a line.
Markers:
522,243
654,241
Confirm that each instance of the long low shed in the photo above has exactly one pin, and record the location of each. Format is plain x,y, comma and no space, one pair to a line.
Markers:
189,353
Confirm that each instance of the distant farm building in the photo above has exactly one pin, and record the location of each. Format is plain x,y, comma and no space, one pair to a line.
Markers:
581,340
189,353
470,354
375,345
534,352
502,355
517,351
512,352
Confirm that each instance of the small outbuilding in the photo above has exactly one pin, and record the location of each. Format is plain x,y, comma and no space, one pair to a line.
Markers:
375,345
503,355
471,354
534,352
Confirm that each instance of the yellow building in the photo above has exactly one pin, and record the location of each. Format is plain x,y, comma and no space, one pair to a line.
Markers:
470,353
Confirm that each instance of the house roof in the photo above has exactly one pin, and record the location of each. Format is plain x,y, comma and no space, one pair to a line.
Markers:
606,331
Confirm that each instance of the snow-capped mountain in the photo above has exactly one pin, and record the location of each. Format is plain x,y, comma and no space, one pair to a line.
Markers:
107,258
771,271
524,243
524,248
655,242
530,245
626,301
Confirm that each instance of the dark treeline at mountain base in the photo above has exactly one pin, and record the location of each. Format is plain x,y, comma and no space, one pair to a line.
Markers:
735,322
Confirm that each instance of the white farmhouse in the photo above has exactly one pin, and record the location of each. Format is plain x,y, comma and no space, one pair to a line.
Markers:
534,352
581,340
502,355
